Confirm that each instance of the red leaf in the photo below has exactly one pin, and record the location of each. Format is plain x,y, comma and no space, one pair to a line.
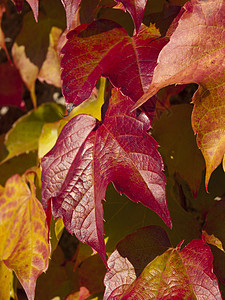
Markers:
77,171
136,9
103,48
71,7
11,91
185,274
195,54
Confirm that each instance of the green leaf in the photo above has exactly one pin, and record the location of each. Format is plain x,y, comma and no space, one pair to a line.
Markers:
24,135
178,146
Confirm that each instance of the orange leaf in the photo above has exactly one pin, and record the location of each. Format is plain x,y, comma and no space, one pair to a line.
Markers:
24,244
195,53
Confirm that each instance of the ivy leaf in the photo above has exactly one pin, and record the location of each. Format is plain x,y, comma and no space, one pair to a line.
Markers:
77,171
175,274
195,54
71,7
24,234
50,70
103,48
24,135
136,9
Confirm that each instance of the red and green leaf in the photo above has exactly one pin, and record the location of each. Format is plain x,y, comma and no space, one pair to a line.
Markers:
175,274
88,156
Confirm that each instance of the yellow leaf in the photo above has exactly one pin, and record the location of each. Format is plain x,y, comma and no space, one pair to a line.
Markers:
5,282
24,243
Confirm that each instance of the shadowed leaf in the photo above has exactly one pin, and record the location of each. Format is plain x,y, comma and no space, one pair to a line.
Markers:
178,147
11,91
214,219
33,4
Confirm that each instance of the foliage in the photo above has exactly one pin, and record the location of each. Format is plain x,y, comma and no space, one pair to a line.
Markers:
141,126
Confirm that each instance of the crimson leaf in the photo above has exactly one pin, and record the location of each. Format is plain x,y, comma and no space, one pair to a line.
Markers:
103,48
86,158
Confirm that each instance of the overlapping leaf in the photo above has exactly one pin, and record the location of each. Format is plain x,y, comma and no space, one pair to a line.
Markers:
215,218
71,7
24,234
175,274
33,4
77,171
30,53
195,54
24,135
104,48
136,8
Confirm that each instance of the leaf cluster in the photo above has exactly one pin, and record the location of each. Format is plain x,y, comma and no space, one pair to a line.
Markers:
112,149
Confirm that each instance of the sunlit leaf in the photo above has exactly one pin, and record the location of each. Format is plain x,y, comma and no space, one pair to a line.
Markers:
71,7
77,171
47,138
50,131
212,240
195,54
6,276
50,70
176,274
24,234
103,48
24,135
